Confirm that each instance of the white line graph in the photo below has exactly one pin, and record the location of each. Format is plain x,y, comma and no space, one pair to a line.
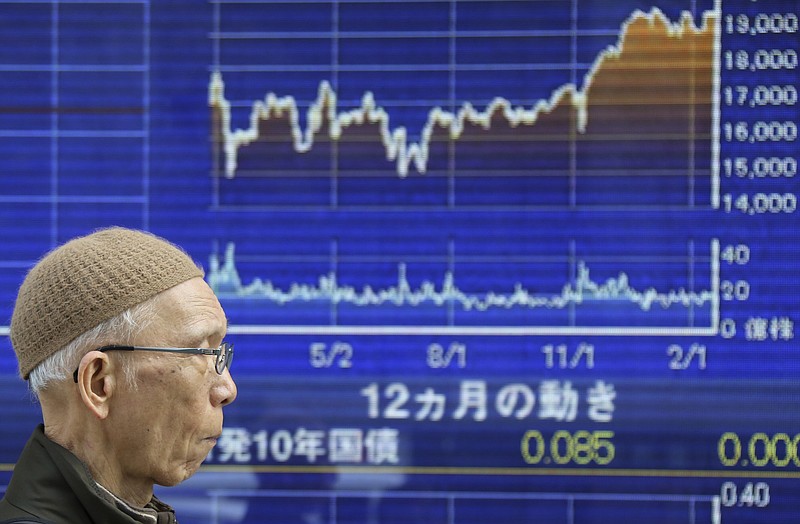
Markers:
408,149
582,291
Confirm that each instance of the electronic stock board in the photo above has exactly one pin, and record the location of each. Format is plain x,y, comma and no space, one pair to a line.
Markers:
507,261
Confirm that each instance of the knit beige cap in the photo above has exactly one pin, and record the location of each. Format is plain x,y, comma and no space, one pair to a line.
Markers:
87,281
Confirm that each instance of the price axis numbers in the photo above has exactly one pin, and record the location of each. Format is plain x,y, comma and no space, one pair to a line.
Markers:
759,107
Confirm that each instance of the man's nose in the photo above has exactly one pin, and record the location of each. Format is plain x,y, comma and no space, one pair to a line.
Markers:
224,390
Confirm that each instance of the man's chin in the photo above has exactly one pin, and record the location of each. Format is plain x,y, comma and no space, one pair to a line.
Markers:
184,472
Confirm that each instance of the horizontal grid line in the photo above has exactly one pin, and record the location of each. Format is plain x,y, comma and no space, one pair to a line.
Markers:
65,68
470,259
386,103
143,2
466,173
345,2
473,330
380,68
627,497
11,133
513,471
462,259
518,138
606,208
288,35
66,199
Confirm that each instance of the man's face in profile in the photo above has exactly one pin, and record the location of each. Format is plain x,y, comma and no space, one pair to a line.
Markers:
163,429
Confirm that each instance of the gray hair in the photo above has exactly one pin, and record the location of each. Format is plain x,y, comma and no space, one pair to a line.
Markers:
121,329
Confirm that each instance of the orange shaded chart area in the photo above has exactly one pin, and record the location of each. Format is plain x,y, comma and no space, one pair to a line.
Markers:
637,131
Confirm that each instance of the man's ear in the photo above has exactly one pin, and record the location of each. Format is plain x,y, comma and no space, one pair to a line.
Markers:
96,382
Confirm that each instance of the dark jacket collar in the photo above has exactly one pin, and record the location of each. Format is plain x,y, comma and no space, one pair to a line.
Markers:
52,483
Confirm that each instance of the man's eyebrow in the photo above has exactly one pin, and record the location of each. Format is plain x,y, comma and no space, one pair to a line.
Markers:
197,337
200,339
207,327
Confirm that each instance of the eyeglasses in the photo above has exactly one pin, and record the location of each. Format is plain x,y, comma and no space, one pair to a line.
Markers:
224,354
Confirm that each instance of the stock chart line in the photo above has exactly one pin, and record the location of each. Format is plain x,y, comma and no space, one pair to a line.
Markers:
583,291
638,94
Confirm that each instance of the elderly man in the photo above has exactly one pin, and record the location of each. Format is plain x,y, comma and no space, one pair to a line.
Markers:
122,341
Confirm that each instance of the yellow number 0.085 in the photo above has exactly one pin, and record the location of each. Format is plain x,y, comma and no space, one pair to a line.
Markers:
581,447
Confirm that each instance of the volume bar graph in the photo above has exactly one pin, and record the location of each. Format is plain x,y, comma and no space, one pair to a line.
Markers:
641,117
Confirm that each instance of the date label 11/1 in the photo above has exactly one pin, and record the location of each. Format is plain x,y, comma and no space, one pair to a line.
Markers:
561,356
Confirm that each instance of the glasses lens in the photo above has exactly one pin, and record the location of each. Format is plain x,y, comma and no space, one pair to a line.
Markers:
224,358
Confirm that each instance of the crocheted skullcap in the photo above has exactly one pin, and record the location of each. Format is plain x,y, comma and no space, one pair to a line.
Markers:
87,281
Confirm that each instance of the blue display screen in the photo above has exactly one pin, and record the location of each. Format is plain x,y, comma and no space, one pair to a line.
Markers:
482,261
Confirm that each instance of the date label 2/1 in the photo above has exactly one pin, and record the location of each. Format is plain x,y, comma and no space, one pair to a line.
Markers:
680,358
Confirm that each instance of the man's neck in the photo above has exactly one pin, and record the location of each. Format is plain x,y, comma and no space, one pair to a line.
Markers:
84,439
